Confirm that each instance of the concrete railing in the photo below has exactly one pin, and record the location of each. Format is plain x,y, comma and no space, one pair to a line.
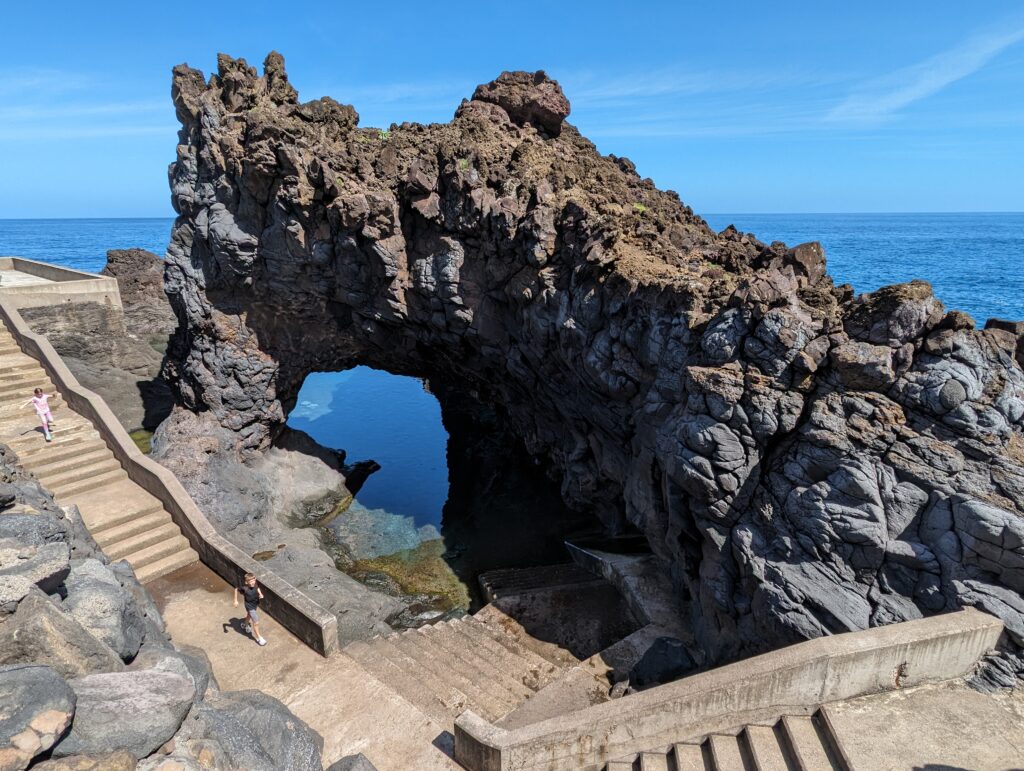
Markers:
795,678
311,623
63,285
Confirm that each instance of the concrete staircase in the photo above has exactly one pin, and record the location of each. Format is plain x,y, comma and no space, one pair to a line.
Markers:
78,468
792,743
485,662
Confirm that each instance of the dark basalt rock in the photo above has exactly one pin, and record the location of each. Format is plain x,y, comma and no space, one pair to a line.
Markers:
527,97
802,461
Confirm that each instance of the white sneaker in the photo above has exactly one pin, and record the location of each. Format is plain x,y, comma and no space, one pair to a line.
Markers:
261,641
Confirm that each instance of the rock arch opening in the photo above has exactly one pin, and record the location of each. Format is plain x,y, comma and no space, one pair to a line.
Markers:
452,492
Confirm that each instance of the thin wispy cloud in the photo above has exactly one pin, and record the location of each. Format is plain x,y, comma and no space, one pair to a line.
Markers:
55,105
882,98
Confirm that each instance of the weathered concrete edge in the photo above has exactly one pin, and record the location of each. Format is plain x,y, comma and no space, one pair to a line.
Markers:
313,624
797,677
69,285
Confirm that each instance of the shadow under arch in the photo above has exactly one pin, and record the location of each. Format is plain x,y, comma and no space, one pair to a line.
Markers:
476,489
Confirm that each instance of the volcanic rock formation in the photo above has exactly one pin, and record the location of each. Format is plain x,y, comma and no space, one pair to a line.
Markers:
801,460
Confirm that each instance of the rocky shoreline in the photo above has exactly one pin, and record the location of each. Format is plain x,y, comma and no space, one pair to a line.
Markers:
88,677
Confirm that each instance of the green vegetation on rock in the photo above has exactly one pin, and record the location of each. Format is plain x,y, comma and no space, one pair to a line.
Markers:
422,570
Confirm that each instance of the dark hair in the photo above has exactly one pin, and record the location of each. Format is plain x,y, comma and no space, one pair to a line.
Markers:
38,391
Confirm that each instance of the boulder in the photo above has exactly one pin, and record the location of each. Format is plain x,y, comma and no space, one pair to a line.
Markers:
108,761
188,661
527,97
155,630
255,731
97,600
137,711
40,632
667,659
46,565
357,762
12,590
36,707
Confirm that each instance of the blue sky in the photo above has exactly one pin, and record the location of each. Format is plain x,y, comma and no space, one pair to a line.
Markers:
739,106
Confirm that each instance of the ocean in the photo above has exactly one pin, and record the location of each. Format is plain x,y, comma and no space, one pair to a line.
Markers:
974,262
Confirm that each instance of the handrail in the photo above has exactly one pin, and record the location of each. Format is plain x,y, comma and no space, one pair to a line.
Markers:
310,622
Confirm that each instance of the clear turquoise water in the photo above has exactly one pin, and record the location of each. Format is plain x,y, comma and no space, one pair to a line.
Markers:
974,261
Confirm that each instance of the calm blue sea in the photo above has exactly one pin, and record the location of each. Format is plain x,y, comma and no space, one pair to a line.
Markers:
974,261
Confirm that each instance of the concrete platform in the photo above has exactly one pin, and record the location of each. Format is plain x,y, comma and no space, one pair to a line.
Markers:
933,727
352,710
13,278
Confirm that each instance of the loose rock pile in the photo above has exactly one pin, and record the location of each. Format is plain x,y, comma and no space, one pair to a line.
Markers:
89,678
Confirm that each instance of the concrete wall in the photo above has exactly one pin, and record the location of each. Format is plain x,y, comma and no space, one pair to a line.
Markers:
314,625
787,681
68,286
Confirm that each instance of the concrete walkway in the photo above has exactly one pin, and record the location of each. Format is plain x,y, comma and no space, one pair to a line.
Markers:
79,468
352,710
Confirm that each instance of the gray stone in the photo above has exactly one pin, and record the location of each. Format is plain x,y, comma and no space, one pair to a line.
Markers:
667,659
36,707
255,731
357,762
137,711
189,662
100,604
46,565
40,632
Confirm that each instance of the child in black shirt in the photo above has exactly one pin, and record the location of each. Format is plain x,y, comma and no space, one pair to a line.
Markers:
252,593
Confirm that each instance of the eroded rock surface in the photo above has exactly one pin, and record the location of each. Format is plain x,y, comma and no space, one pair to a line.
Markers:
802,461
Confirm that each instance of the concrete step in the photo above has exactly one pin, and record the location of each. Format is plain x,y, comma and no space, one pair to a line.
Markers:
57,451
653,761
136,525
426,679
806,744
158,551
512,581
169,564
13,365
531,670
442,707
66,493
766,748
507,627
25,382
69,461
114,505
9,347
451,673
725,752
59,477
688,756
515,640
793,743
487,667
528,668
73,429
117,550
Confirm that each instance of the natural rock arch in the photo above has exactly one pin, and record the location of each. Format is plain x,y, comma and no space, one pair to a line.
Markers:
801,460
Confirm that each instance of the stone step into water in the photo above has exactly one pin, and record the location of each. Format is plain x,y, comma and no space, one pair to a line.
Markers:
497,584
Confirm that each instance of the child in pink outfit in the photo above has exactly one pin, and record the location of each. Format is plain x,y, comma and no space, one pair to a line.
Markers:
40,401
